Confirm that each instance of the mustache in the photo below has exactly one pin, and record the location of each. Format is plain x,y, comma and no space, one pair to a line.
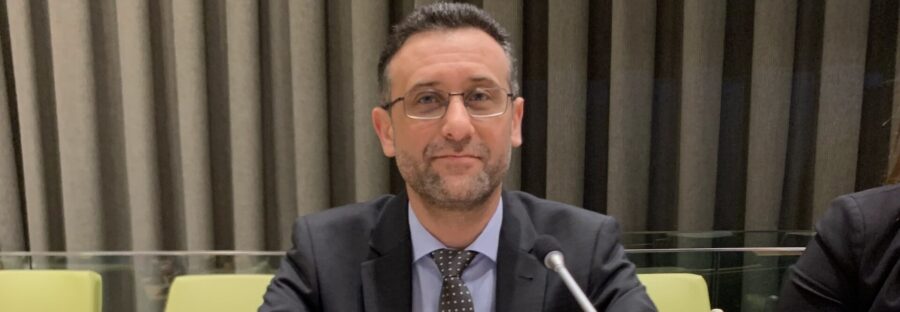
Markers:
464,146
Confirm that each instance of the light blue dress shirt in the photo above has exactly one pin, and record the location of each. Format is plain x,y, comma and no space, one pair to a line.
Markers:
480,276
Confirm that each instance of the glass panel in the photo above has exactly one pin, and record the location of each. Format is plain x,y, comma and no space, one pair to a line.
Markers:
138,281
748,279
740,278
716,239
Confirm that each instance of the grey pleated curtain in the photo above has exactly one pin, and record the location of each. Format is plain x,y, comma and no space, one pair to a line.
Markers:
198,125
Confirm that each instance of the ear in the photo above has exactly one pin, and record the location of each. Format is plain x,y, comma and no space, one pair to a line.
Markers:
518,111
381,120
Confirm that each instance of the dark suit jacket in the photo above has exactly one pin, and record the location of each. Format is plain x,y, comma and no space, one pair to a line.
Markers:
853,262
359,258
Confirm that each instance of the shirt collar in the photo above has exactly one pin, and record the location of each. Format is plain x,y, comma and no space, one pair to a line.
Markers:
423,243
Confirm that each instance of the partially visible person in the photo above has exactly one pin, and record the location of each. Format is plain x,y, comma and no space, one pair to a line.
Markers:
853,262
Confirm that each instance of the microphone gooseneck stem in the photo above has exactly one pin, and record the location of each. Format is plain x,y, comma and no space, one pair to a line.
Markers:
546,247
554,261
576,291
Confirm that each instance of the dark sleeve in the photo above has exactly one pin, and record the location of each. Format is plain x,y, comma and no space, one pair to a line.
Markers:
823,277
613,284
295,286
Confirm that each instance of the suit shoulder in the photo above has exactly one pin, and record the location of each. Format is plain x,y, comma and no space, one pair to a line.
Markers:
881,199
356,215
548,215
878,210
874,208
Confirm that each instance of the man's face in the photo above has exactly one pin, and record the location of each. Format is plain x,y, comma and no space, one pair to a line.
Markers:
456,161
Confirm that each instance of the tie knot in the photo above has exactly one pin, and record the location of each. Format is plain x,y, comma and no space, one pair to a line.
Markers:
452,262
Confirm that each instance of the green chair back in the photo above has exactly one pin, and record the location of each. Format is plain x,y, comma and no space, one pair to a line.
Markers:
677,292
219,292
50,291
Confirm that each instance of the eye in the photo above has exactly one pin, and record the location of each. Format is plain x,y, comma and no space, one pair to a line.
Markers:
428,98
478,96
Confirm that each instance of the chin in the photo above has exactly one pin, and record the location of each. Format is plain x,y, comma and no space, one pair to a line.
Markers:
472,190
462,202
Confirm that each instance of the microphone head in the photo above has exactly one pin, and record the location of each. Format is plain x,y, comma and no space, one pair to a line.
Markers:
547,249
544,244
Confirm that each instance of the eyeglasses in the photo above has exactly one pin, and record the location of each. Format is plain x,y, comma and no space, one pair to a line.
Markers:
427,104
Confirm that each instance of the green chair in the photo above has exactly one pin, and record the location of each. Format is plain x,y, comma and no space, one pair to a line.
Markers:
50,291
219,292
677,292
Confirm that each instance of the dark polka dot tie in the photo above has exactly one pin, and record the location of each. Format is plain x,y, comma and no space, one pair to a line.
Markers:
455,296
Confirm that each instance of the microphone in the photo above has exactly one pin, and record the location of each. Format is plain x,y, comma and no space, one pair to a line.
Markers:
547,248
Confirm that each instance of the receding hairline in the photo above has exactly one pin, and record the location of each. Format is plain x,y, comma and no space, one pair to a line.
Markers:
507,54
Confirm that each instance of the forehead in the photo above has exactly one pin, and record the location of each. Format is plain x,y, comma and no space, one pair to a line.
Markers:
448,57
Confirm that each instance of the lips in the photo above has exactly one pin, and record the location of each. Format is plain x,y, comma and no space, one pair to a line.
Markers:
456,156
466,160
461,157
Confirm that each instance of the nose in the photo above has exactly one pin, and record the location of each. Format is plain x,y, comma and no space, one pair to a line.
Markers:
457,122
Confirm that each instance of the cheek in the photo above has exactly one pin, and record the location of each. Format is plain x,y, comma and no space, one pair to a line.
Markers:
497,139
412,140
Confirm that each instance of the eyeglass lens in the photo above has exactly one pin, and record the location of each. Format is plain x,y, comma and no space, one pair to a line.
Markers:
480,102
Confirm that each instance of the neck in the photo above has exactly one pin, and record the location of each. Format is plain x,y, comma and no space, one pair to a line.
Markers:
454,228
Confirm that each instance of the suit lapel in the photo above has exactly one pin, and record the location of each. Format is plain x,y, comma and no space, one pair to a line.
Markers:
387,275
521,277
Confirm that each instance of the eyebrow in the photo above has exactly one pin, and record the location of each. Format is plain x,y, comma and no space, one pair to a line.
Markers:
433,83
481,79
425,84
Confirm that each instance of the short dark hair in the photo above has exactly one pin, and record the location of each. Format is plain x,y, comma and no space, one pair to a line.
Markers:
444,16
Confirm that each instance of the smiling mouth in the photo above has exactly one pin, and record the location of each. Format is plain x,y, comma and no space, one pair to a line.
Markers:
456,157
456,160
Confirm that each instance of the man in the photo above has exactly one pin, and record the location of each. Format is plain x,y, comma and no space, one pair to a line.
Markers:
454,241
